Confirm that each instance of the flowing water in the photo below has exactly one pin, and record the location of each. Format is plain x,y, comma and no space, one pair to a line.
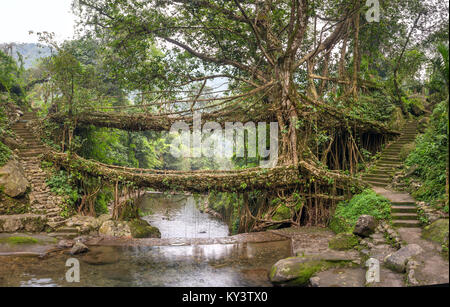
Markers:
177,216
205,265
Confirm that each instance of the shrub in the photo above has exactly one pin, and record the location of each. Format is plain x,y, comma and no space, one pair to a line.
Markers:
5,154
406,150
348,212
60,184
430,157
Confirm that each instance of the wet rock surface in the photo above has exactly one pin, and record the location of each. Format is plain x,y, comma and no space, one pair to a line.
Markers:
101,256
79,248
66,244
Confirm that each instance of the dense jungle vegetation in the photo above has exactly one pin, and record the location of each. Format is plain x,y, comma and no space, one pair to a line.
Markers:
329,77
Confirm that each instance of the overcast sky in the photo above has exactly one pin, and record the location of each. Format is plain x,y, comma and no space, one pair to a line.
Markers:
18,17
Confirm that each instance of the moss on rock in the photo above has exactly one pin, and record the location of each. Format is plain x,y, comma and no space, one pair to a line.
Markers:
11,206
343,241
296,271
437,231
18,240
282,213
338,225
142,229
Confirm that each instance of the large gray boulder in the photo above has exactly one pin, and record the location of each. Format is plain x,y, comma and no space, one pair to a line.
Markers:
397,261
12,179
22,223
365,226
297,271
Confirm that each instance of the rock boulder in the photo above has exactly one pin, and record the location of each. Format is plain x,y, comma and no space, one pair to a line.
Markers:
115,229
22,222
12,179
142,229
365,226
297,271
79,248
397,261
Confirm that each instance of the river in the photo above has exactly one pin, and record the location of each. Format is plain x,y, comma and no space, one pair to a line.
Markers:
177,217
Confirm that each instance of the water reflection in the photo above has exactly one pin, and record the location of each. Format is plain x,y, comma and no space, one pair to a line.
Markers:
177,216
222,265
230,265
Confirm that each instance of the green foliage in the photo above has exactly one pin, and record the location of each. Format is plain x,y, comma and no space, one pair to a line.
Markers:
10,76
366,203
19,240
116,147
430,156
61,184
406,150
282,213
414,106
5,154
131,211
374,107
229,206
102,201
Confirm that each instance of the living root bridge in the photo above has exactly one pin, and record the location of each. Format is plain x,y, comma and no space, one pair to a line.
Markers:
281,177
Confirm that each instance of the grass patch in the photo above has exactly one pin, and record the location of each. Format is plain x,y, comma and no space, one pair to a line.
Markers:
366,203
343,241
19,240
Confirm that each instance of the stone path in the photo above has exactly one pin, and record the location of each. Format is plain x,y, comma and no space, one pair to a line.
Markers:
432,267
378,248
42,200
404,209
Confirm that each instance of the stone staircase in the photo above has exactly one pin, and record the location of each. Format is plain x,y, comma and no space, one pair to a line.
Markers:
42,200
404,212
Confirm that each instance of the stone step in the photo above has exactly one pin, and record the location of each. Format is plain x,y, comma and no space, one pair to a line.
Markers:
30,154
390,155
378,180
389,166
406,224
381,176
56,219
376,184
405,216
54,209
66,229
52,214
403,203
389,160
31,150
404,209
393,149
382,161
62,235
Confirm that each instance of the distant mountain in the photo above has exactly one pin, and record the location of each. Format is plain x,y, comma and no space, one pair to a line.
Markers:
31,52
